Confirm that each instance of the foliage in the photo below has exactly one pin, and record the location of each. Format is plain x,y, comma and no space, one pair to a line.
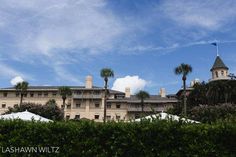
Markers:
198,95
209,114
88,139
21,88
106,72
213,93
183,69
142,95
50,110
65,92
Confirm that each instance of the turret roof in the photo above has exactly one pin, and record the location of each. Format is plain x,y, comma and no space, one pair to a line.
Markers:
219,64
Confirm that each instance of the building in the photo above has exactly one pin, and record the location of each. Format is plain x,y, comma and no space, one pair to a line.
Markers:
219,70
88,101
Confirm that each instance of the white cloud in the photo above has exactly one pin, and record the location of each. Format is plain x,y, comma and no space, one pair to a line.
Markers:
202,13
9,72
135,83
42,31
62,25
16,80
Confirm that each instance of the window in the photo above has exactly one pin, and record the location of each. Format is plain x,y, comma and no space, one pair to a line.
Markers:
4,105
108,105
97,105
4,94
46,94
96,92
109,117
68,106
31,94
222,73
117,117
119,96
67,117
77,92
25,95
17,94
39,93
54,94
77,117
77,105
117,105
96,116
216,74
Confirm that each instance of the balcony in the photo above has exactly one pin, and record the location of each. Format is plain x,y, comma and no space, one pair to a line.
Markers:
92,96
146,109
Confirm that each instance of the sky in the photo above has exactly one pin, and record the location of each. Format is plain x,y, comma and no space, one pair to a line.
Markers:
60,42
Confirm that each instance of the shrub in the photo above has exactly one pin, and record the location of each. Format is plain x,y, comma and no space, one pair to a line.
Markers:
144,139
50,110
211,114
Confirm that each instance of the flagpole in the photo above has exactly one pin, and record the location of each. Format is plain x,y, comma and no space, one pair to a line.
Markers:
217,49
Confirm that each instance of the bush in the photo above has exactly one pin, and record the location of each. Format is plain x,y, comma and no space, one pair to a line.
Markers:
50,110
144,139
211,114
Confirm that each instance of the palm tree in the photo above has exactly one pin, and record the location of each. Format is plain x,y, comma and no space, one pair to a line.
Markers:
21,88
106,73
184,70
142,95
64,92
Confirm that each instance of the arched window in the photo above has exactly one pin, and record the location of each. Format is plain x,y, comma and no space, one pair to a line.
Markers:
222,73
216,74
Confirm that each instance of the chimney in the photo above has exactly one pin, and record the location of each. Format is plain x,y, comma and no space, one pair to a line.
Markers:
127,92
89,82
163,92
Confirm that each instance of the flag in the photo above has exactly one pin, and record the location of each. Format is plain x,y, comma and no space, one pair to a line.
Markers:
215,44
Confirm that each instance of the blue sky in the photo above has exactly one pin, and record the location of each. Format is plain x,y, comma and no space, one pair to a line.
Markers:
60,42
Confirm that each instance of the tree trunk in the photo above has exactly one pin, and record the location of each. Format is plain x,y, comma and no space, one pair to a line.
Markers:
63,107
21,99
105,102
142,105
185,97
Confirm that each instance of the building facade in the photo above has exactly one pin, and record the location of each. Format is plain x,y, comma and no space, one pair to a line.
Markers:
88,101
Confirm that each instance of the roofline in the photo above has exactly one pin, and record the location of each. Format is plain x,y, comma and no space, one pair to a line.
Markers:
220,68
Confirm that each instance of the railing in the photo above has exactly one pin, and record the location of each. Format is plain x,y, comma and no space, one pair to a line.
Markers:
220,78
99,96
145,109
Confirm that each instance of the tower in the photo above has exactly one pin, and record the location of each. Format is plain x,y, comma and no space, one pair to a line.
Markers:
219,70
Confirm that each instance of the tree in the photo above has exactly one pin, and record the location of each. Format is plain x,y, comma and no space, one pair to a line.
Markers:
50,110
64,92
184,70
106,73
232,76
198,95
142,95
21,88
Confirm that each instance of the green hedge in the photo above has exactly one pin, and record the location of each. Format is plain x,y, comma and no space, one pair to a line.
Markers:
145,139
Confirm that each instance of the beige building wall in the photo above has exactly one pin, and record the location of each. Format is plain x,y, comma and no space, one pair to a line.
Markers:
219,73
85,102
38,97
